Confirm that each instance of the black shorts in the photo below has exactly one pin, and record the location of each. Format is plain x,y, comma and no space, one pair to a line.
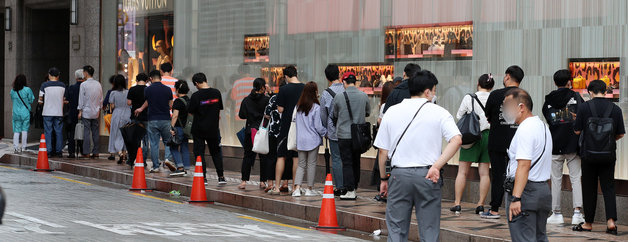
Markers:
282,149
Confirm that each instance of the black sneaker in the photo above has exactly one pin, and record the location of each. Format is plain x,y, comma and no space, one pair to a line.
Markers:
111,157
479,210
179,172
456,209
221,181
71,156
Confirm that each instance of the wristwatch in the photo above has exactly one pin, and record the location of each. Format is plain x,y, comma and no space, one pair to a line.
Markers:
384,178
515,199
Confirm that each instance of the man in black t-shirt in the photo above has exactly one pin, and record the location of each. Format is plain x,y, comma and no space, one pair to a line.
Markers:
604,170
205,104
499,138
136,99
402,91
287,99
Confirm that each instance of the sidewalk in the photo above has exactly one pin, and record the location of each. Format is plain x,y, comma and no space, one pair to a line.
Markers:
364,214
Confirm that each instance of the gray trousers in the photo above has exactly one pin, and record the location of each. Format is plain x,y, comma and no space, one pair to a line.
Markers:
407,187
307,161
575,173
530,225
90,133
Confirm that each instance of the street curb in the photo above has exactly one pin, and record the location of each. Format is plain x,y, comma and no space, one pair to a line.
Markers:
350,220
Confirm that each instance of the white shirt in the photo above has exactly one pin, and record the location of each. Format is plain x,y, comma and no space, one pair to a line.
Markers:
90,99
422,143
527,144
53,93
465,107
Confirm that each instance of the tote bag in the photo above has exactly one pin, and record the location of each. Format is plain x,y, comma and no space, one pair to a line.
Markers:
78,130
292,133
260,142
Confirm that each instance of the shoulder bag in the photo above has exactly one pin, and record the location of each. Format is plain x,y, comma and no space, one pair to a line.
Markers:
360,133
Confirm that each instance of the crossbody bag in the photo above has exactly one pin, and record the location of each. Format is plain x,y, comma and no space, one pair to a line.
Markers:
389,160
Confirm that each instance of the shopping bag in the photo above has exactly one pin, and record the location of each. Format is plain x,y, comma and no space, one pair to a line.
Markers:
260,142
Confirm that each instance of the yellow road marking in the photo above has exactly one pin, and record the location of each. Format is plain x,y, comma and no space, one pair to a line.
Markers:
71,180
160,199
8,167
271,222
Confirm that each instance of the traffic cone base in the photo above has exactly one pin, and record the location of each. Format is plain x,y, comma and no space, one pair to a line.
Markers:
139,180
198,194
42,156
327,220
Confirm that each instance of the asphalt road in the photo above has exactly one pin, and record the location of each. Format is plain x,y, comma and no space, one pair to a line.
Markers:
62,207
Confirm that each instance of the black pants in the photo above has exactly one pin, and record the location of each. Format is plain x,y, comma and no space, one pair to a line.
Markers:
605,172
499,161
350,164
213,144
249,160
74,146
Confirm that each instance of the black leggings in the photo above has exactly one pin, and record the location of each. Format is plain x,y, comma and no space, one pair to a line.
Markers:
249,160
605,172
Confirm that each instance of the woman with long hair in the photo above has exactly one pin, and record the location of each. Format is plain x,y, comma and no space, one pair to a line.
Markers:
22,97
120,116
252,110
310,131
478,151
375,178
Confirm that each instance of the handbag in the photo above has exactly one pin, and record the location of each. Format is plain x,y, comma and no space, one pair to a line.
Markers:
79,130
389,160
260,142
241,135
187,126
30,112
469,124
174,140
292,133
360,133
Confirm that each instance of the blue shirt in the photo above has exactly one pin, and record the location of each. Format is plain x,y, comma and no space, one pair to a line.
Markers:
158,97
327,101
309,129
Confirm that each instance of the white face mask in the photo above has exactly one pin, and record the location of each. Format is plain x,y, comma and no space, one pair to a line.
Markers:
434,98
510,115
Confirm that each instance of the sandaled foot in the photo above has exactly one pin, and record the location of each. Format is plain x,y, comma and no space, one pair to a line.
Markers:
579,228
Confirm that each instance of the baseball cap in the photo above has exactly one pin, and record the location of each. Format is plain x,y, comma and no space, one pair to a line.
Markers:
348,75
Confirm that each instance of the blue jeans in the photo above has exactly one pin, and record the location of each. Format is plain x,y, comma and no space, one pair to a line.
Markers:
156,129
167,153
336,164
53,124
181,153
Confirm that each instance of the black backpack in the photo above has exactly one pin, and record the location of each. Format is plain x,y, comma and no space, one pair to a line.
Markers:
597,141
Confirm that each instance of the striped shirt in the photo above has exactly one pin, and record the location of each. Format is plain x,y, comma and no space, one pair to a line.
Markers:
241,89
169,82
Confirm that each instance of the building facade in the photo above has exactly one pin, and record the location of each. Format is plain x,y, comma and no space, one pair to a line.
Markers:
458,40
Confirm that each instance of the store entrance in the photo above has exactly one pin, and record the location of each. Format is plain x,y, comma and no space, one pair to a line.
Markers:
49,38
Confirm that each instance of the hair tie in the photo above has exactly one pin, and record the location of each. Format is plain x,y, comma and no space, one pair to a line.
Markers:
490,77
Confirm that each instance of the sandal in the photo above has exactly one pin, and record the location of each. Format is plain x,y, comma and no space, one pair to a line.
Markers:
242,186
262,185
579,228
612,231
268,188
274,192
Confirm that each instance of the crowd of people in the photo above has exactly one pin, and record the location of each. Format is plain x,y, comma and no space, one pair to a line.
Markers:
523,151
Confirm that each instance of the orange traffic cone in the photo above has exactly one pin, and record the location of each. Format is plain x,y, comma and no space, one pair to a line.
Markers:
198,185
42,156
139,180
327,219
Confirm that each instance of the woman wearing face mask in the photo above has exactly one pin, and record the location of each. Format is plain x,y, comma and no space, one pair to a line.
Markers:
478,151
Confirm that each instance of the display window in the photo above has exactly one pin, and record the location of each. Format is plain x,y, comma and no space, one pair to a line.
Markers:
274,76
585,70
256,48
430,41
371,76
145,36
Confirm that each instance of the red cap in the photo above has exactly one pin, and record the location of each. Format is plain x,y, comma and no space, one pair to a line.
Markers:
347,75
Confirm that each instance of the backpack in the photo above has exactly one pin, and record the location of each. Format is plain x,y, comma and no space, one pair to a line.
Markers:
564,115
469,124
187,126
597,141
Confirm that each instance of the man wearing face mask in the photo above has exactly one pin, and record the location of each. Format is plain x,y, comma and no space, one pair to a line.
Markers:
528,200
415,179
499,138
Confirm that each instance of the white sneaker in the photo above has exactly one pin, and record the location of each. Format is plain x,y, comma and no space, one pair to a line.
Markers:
577,218
556,218
310,193
296,193
350,195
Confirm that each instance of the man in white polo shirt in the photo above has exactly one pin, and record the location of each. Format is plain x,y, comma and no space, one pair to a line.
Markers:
413,131
528,197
